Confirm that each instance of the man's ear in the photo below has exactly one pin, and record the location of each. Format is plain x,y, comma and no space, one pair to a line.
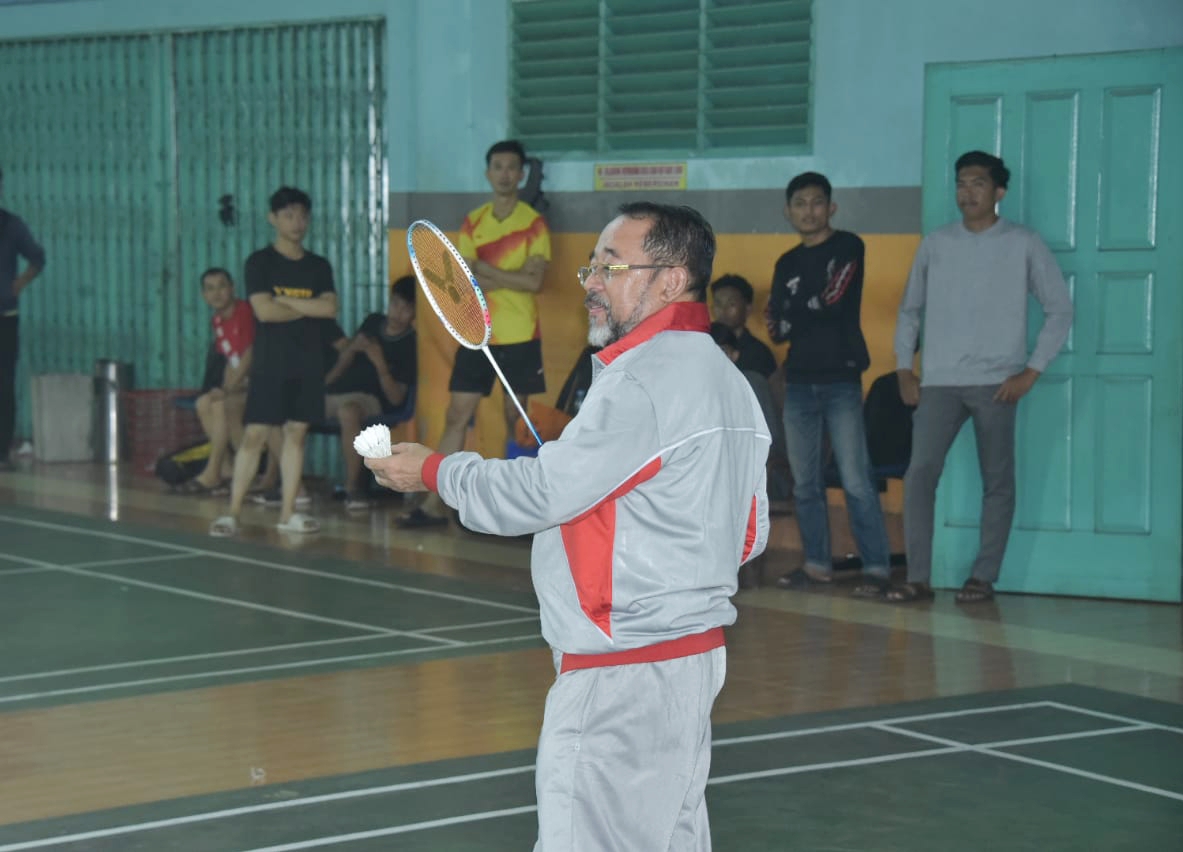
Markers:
675,284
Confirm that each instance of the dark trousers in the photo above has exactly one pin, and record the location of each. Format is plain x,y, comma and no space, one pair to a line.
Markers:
9,346
942,412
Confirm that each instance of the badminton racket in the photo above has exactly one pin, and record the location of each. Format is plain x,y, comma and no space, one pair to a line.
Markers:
455,297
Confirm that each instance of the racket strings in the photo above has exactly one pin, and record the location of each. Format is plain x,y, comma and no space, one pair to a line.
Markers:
452,292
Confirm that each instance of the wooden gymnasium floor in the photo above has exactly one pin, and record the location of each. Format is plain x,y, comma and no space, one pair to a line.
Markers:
376,689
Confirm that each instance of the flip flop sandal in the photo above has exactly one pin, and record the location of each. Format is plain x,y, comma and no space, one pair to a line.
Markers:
908,593
299,523
975,591
224,527
871,587
197,488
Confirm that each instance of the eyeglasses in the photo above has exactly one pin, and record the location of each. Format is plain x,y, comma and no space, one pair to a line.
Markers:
607,270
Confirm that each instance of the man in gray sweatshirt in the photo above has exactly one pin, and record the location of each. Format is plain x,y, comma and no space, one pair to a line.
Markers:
15,242
970,281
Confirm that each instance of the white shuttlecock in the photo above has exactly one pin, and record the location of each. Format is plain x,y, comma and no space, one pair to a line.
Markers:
373,442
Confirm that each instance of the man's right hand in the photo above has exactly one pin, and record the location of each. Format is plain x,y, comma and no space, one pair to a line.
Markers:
909,387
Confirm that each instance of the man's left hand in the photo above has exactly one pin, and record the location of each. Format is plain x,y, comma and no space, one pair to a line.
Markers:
1016,387
402,470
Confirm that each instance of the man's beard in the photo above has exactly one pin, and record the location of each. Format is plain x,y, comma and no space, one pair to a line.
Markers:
605,333
611,330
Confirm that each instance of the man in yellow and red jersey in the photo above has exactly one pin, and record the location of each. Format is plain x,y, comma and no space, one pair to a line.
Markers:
507,245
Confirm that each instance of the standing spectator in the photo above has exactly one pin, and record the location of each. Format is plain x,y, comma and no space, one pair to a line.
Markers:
817,290
970,284
642,512
15,241
507,246
290,290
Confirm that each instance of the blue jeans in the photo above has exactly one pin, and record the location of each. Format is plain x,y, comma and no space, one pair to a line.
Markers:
810,411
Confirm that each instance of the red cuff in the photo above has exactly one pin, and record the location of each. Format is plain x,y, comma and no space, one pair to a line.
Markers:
431,471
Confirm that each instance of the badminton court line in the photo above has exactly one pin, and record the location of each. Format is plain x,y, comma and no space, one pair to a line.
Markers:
1113,717
275,667
30,569
265,649
264,807
951,748
279,566
990,749
258,607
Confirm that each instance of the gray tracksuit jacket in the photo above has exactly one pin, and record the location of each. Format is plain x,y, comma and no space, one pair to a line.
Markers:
646,506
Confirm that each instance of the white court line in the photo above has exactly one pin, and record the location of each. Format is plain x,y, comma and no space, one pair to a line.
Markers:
25,560
989,749
279,566
185,658
834,764
951,748
265,649
32,569
133,560
258,607
190,593
229,813
898,720
948,747
1078,735
298,664
1113,717
398,829
475,624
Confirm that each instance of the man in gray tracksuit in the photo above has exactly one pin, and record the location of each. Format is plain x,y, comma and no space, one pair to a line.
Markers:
643,511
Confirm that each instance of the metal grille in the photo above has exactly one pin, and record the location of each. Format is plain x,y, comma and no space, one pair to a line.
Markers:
126,146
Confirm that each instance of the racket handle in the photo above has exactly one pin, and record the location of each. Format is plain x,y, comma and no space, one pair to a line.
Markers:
517,402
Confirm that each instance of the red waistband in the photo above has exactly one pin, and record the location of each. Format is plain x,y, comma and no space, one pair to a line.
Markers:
685,646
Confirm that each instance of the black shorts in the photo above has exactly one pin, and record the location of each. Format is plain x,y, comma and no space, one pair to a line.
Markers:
276,401
520,362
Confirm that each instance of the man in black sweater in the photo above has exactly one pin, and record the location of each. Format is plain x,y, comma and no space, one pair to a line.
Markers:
817,288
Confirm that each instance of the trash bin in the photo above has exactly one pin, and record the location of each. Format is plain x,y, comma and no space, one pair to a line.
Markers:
63,417
110,428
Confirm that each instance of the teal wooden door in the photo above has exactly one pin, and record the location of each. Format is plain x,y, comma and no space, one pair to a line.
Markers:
1093,145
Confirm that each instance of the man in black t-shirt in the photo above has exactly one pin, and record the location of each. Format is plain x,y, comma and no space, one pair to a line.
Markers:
290,290
814,305
374,372
731,304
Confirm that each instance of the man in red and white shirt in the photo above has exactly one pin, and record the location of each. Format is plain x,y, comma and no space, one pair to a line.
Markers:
223,388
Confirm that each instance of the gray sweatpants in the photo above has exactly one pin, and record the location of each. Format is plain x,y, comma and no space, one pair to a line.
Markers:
942,412
624,755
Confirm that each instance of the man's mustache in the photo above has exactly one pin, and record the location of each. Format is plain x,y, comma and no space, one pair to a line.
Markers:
595,302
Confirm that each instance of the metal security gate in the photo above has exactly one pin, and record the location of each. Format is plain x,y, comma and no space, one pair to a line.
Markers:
140,160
